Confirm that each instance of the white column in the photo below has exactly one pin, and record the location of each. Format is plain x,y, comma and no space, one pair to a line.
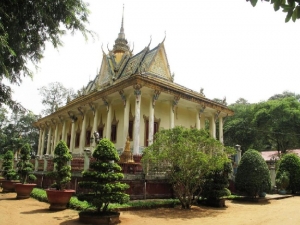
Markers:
43,142
63,132
136,138
171,116
94,127
55,139
72,141
212,127
49,140
126,122
198,115
108,122
83,134
40,142
151,124
221,130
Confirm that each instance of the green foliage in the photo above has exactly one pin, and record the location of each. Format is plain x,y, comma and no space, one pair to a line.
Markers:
186,156
271,125
253,175
216,183
8,171
75,203
17,130
290,7
24,166
62,173
239,128
103,178
290,163
36,23
280,121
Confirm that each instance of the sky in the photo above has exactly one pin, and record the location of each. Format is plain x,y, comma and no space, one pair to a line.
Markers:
228,48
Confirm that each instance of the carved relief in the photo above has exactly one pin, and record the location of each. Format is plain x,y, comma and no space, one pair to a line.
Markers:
123,97
155,97
159,66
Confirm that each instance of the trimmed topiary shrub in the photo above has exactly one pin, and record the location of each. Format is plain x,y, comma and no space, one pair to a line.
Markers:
253,175
102,180
24,166
216,183
291,164
8,171
62,174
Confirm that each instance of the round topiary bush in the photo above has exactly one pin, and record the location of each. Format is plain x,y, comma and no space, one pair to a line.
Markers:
291,164
253,175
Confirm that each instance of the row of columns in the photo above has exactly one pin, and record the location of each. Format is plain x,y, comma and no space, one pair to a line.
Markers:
200,123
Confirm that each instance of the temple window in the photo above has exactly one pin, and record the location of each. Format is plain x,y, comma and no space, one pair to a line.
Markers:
88,138
114,128
130,125
68,140
77,139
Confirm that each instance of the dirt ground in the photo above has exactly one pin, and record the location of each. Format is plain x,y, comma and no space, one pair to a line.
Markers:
275,212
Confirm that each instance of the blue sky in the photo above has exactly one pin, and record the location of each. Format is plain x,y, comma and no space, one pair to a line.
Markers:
227,47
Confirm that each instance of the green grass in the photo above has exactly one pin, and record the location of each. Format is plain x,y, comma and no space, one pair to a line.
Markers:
76,204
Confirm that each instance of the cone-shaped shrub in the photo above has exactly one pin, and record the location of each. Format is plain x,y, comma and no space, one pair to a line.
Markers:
253,175
24,166
62,173
103,178
8,171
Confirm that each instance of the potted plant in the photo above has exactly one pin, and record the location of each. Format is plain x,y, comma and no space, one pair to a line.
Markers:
8,172
58,196
24,170
103,183
282,181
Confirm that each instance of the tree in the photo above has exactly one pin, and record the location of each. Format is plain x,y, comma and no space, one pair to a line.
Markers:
290,163
103,180
19,130
285,94
239,128
279,122
290,7
25,27
185,156
55,95
253,175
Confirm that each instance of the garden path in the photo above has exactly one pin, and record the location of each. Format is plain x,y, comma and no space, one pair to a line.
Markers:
276,212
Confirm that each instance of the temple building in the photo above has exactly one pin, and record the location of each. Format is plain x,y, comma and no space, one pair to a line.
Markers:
131,98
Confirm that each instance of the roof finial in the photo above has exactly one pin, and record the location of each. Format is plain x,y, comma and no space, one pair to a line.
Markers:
121,34
122,24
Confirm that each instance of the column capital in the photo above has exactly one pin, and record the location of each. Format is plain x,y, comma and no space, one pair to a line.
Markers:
175,102
155,97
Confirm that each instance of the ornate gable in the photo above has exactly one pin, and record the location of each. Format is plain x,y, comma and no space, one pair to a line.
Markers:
105,73
159,64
